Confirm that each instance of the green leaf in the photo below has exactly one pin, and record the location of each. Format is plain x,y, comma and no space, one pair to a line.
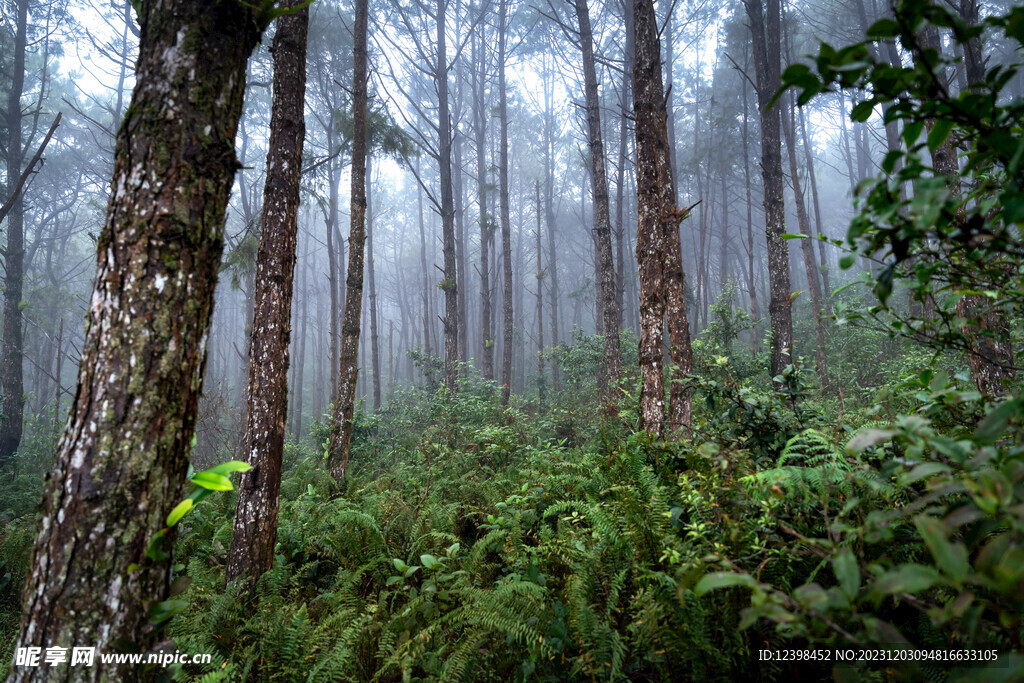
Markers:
951,558
230,466
212,482
939,133
907,578
847,260
429,561
399,565
866,438
162,611
179,511
883,28
716,580
793,236
861,112
844,566
994,424
912,131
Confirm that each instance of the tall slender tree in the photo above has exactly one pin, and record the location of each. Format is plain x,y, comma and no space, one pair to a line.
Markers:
121,464
602,211
764,21
506,228
255,525
12,387
341,429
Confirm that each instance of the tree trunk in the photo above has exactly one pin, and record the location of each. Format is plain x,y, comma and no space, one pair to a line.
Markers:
450,285
602,210
751,282
12,390
121,464
255,526
301,364
348,367
657,248
812,177
371,281
549,216
426,282
810,267
506,230
541,388
480,114
764,29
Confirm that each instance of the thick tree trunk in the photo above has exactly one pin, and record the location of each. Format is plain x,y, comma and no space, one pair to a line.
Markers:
602,210
658,251
764,29
121,464
506,229
348,367
12,390
255,526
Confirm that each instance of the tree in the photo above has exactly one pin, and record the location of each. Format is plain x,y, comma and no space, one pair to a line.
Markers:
764,30
141,372
657,246
341,429
603,229
810,267
12,401
450,284
506,230
479,59
255,525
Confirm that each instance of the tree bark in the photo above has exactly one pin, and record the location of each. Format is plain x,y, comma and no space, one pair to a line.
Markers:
602,210
541,387
506,229
751,282
764,29
549,216
450,284
12,389
810,267
372,283
122,461
658,251
348,367
255,525
480,131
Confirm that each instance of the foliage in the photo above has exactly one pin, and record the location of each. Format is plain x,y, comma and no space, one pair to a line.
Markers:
955,235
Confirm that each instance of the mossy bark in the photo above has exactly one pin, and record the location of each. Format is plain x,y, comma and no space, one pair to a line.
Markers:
255,526
122,461
658,252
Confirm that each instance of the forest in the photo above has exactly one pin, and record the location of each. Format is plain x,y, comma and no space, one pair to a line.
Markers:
511,340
